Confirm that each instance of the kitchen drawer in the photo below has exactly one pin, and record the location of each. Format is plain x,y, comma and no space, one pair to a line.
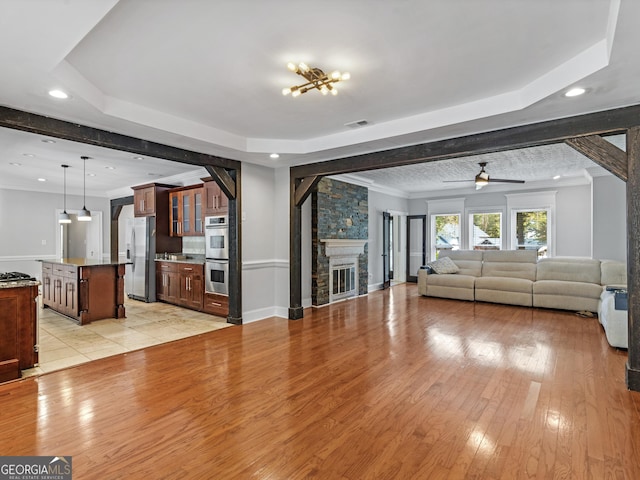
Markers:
191,268
70,271
47,268
167,267
216,304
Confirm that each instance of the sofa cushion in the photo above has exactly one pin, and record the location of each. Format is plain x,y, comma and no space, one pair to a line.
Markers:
468,261
569,269
510,270
504,284
443,265
515,256
567,289
613,273
458,281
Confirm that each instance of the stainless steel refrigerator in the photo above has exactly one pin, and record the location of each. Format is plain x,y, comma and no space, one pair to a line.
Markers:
140,275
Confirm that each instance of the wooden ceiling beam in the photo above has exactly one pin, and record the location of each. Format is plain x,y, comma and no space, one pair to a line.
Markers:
604,153
609,122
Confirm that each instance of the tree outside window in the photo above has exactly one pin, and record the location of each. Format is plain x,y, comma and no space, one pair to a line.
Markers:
486,231
531,231
447,232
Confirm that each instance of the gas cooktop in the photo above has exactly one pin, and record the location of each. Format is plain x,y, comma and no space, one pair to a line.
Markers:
14,277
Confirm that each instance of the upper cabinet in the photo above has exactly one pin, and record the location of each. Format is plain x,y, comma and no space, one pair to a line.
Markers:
216,202
150,199
186,211
144,201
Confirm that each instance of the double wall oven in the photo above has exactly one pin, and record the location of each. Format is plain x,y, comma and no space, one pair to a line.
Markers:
216,235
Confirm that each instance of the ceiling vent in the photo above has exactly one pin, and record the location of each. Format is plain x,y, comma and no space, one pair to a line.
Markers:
357,124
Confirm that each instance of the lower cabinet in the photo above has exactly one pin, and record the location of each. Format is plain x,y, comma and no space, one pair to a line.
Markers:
180,284
167,282
19,325
216,304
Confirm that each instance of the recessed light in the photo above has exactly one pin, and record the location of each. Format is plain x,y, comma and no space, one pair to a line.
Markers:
30,155
47,140
110,168
91,174
574,92
274,156
55,93
138,158
42,179
556,177
16,164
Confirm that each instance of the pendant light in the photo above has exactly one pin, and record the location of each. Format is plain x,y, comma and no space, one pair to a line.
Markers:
64,216
84,215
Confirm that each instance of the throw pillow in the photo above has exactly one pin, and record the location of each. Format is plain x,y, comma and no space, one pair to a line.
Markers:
444,265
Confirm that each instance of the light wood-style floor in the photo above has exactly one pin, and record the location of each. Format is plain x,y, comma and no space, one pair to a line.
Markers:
389,386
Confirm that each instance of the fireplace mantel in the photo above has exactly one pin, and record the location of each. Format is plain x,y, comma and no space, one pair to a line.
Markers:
343,247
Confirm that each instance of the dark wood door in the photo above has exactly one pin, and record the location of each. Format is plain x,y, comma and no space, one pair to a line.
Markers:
416,245
386,250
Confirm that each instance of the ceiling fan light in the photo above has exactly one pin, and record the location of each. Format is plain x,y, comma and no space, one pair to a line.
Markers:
286,91
335,75
292,66
345,76
334,91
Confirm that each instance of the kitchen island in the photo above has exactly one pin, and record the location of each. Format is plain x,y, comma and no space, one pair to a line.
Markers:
18,324
84,290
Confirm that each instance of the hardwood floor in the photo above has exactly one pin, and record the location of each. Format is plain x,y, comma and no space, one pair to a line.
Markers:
389,386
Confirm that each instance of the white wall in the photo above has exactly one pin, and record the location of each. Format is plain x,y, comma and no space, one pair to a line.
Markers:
259,217
378,203
610,218
30,226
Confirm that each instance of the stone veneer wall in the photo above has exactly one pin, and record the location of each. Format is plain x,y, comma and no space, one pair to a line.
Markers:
338,210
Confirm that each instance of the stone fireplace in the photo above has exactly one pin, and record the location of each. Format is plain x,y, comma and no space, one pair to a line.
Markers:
339,236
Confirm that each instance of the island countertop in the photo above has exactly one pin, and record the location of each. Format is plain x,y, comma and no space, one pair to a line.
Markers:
85,262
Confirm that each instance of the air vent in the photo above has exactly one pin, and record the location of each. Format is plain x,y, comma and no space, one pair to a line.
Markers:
357,124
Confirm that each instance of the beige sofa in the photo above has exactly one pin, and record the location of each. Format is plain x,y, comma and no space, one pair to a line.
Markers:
519,278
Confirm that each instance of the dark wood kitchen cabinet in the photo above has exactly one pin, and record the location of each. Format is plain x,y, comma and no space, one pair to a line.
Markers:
215,201
186,211
216,304
191,285
151,199
18,324
180,283
84,290
167,282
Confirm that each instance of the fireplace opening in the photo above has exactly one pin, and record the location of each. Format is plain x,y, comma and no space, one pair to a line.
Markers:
343,284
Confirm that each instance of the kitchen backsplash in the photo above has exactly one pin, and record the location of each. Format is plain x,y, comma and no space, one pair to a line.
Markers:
193,245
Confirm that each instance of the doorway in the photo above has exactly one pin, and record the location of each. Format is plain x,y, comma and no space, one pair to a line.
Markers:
80,239
416,245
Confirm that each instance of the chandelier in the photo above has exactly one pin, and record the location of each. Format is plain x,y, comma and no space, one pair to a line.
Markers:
316,78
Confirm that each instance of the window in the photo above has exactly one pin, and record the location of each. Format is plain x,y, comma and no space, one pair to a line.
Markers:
531,230
446,232
485,231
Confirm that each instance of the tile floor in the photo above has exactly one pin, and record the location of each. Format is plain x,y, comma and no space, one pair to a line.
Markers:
63,343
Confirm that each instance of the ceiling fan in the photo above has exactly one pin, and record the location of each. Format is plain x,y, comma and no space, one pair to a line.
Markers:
483,178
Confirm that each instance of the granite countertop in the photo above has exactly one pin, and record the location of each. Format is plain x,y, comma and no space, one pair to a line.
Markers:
86,262
181,258
19,283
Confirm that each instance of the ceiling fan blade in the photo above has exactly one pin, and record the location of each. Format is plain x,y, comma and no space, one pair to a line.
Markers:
504,180
456,181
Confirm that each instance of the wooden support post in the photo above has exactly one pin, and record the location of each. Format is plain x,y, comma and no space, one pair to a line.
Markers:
633,257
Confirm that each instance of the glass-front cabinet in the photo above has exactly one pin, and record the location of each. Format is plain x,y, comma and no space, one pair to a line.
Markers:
187,214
